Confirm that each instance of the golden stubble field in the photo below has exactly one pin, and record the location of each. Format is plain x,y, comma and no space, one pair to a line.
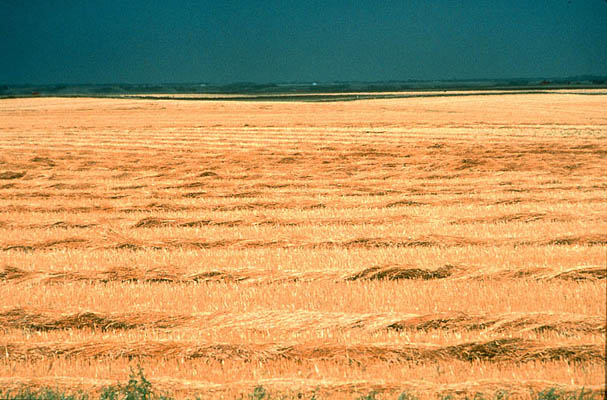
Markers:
429,245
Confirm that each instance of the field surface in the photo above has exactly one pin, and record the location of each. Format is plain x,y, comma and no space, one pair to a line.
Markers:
447,245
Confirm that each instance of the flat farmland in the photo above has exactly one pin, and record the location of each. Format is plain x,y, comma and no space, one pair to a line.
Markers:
430,245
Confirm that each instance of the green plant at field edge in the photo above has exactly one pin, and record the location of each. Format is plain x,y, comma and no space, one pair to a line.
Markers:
139,387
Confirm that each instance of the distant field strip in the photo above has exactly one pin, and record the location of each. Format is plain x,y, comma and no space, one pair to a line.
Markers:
448,245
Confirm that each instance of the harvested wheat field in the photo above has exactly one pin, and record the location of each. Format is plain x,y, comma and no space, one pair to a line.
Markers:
429,245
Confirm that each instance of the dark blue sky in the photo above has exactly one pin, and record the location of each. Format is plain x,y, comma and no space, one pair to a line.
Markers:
148,41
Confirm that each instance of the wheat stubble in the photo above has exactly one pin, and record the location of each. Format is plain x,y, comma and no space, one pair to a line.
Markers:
433,245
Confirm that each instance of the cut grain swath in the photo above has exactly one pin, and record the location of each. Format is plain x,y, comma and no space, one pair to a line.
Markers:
509,349
33,319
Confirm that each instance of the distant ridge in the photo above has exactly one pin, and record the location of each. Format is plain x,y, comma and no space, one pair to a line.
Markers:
118,89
